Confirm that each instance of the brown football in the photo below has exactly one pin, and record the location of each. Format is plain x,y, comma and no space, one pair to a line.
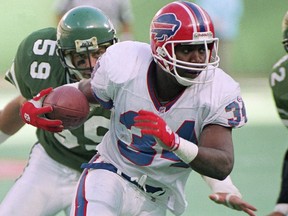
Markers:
69,105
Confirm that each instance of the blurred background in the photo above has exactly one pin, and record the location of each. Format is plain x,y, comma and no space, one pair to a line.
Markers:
259,146
257,46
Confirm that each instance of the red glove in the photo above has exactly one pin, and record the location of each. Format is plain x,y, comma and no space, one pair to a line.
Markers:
152,124
32,110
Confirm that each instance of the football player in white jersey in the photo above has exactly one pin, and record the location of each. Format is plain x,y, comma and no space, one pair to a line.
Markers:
173,111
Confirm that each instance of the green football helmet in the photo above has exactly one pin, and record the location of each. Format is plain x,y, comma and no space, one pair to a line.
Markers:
83,34
285,31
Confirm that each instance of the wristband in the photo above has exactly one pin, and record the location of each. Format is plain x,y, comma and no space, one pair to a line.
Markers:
224,186
282,208
3,136
186,151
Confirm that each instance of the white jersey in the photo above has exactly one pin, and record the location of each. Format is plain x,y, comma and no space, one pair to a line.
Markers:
121,80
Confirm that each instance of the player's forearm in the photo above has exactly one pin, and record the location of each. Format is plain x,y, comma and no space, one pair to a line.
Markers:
85,87
10,120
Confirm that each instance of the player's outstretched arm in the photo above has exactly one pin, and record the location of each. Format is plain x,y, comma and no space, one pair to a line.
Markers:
85,87
10,120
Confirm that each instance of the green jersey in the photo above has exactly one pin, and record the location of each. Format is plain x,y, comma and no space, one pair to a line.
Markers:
36,67
279,86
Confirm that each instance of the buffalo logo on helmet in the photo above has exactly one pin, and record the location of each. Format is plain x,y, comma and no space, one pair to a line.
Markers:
165,26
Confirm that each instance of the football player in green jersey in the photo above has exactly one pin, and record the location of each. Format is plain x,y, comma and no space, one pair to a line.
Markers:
50,177
279,83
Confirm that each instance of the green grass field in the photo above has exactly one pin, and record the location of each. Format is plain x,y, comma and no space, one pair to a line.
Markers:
259,146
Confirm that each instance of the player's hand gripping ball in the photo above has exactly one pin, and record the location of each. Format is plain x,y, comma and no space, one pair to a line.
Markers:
69,105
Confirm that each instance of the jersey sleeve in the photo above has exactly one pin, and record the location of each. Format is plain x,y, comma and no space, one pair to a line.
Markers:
10,76
101,86
232,114
112,71
227,107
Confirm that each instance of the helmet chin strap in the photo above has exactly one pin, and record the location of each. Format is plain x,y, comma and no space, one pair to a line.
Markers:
72,68
76,73
203,77
183,80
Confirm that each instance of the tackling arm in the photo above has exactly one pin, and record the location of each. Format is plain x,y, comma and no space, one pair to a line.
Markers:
10,120
85,86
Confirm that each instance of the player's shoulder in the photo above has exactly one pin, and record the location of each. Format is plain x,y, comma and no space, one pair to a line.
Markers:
129,48
223,88
37,41
38,46
125,60
42,34
49,33
36,64
224,81
282,62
